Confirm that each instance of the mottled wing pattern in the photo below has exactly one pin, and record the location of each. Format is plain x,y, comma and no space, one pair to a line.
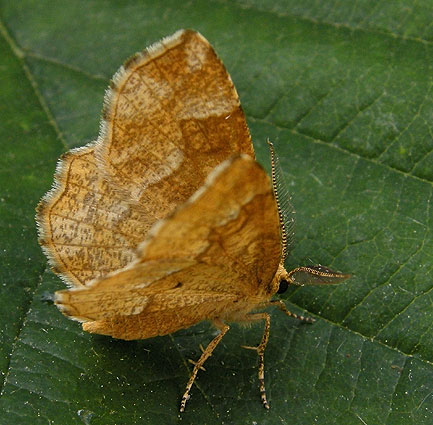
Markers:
86,227
220,251
171,115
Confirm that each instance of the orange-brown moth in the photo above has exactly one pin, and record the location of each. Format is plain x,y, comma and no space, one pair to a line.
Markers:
166,219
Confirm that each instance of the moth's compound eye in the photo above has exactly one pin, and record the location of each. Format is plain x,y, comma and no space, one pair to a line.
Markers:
283,286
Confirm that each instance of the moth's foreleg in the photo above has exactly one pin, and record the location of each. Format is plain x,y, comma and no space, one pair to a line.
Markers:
205,355
281,306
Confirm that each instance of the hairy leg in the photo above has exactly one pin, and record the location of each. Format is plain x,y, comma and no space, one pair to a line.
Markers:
261,351
281,306
205,355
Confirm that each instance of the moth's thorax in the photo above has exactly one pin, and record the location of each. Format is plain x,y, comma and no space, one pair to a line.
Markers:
237,310
280,275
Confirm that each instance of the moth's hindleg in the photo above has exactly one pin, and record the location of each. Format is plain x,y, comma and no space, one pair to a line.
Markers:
281,306
205,355
261,351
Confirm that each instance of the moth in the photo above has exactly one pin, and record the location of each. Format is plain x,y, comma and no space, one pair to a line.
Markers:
167,220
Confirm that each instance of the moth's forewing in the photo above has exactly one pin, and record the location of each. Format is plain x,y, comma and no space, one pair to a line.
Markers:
170,116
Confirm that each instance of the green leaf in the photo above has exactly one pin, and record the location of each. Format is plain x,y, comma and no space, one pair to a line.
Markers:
344,90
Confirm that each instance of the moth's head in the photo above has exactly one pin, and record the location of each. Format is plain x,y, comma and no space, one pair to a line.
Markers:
281,281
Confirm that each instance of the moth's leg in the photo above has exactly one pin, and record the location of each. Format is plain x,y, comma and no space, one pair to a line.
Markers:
261,351
280,305
205,355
